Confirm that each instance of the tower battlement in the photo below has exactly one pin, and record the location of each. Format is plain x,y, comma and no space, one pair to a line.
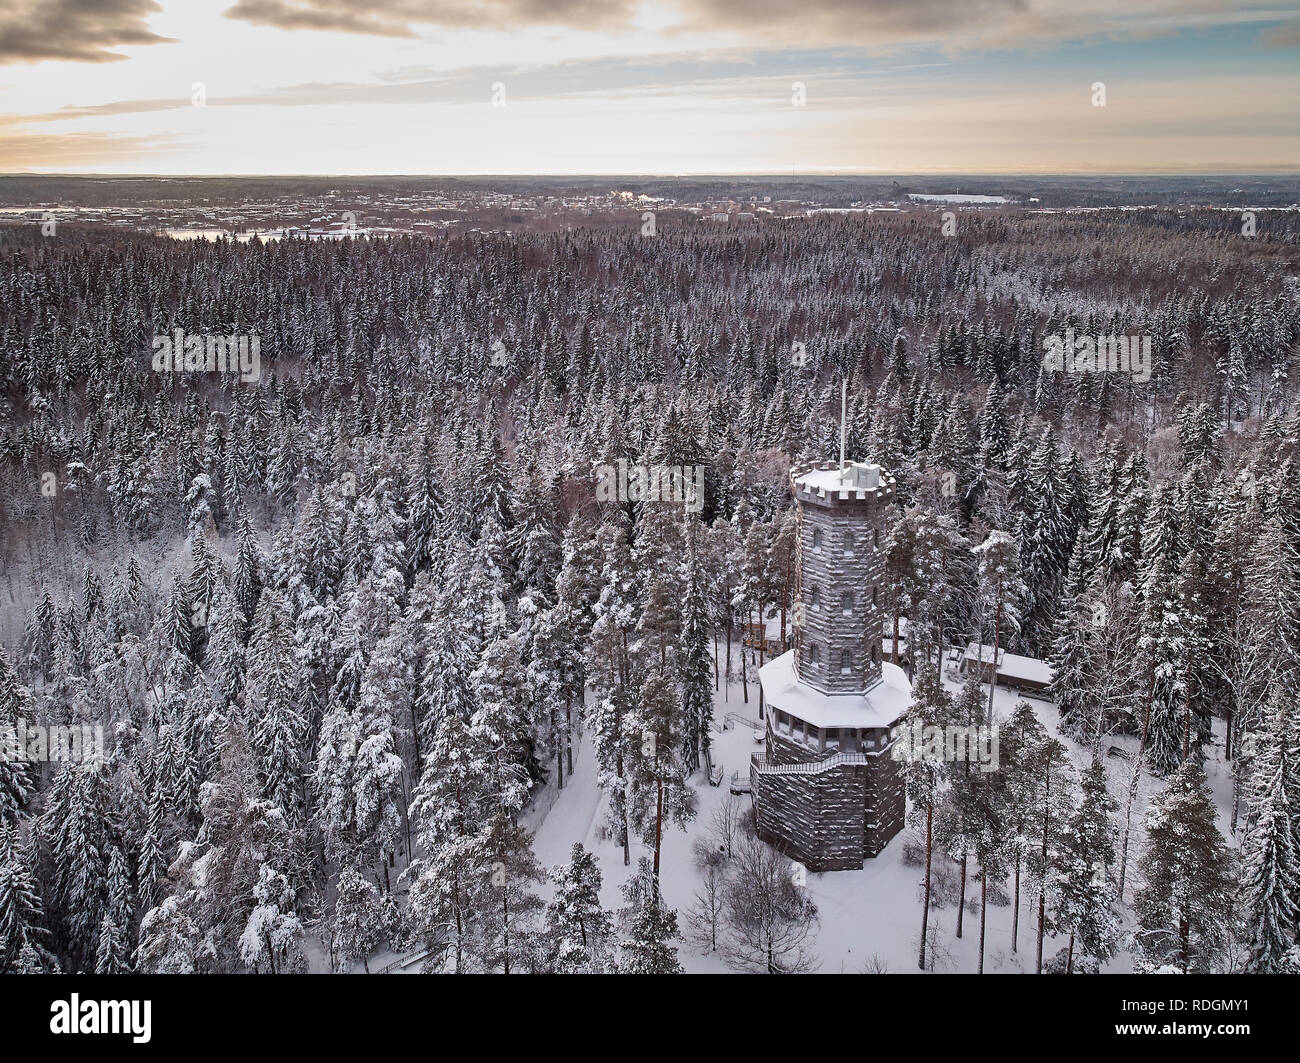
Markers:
838,574
829,698
825,483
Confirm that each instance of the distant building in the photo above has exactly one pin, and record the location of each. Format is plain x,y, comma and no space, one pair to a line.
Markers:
1021,673
826,790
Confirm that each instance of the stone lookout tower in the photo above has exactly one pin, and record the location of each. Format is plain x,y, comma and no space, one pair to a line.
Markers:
827,791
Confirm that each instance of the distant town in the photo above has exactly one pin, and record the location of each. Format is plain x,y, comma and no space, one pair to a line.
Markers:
334,208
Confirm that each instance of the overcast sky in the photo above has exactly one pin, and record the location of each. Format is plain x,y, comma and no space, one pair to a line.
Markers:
681,86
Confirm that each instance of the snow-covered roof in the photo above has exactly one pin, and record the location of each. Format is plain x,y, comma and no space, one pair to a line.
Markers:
878,707
1012,665
983,653
1017,667
856,476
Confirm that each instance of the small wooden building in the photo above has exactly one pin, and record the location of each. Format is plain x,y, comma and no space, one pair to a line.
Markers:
1019,673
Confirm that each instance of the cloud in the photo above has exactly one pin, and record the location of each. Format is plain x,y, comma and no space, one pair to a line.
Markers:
861,23
1286,35
398,18
83,31
23,152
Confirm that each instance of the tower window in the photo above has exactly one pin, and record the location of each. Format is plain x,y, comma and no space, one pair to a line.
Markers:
846,602
848,541
875,594
846,661
814,653
875,653
814,598
817,539
875,536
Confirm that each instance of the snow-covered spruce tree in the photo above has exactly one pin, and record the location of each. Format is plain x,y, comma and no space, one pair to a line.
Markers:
450,809
277,729
923,548
453,649
1045,539
1161,644
578,928
272,941
248,576
17,778
609,668
1270,855
76,823
573,616
122,906
1182,910
509,934
1085,892
693,659
357,929
112,954
646,946
358,785
22,922
1072,657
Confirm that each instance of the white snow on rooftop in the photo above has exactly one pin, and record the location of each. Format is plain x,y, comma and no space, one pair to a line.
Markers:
878,707
856,476
1012,665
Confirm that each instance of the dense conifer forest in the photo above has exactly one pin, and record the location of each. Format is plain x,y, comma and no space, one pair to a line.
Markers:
345,620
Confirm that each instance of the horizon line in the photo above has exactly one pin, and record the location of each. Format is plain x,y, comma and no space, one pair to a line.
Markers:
1290,170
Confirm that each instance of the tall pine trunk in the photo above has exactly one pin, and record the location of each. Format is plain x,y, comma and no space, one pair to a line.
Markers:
984,904
1015,911
925,904
1042,884
997,635
961,901
1133,781
659,825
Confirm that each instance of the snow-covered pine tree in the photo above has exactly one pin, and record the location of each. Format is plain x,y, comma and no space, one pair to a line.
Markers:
22,922
926,777
357,929
693,659
1183,908
1085,892
579,927
658,793
1269,852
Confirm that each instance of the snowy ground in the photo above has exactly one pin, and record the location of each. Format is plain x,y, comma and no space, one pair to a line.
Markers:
868,917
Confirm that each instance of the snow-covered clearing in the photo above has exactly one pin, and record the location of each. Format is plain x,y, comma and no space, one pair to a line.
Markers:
868,917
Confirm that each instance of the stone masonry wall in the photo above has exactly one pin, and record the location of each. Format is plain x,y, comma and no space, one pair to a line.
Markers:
833,819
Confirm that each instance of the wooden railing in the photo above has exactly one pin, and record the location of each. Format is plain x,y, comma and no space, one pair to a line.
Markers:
815,767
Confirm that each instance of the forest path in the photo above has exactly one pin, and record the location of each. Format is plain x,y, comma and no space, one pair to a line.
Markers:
572,816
